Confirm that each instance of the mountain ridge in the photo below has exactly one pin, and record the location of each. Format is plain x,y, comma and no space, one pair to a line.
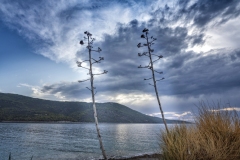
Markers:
14,107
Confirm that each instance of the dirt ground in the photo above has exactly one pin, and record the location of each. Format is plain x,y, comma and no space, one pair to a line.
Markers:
142,157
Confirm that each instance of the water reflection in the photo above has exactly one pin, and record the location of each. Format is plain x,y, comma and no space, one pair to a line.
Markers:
130,139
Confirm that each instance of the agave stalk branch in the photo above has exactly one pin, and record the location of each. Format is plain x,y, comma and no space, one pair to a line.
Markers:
91,61
150,66
93,100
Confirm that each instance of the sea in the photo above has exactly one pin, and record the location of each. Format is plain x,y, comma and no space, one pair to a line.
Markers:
77,141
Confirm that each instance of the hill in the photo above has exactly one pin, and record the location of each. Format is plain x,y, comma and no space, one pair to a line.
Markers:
15,107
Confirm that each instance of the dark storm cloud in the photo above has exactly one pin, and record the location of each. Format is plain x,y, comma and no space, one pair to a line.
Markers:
70,90
186,73
79,91
205,11
179,60
121,50
121,59
171,40
235,55
205,74
201,12
72,12
95,6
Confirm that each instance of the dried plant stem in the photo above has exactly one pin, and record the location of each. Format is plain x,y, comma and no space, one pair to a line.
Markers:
155,84
94,104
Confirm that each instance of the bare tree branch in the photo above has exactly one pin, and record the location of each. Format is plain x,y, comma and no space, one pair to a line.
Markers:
79,64
143,66
97,61
158,72
83,80
104,72
89,89
160,79
148,78
99,50
151,84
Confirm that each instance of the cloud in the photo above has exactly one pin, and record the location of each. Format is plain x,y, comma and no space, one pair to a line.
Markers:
204,12
186,116
55,27
187,73
35,89
227,109
67,90
206,74
198,40
38,93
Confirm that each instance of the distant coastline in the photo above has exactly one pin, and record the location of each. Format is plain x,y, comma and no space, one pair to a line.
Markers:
21,109
69,122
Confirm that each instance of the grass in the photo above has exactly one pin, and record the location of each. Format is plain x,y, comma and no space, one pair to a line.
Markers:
215,136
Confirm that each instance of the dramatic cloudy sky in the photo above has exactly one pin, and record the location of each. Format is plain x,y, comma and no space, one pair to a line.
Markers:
199,40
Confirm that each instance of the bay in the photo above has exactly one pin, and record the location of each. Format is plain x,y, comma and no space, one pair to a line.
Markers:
72,141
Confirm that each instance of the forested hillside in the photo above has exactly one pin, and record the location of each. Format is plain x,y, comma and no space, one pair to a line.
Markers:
21,108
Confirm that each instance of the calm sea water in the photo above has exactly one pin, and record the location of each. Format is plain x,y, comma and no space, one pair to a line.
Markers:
76,140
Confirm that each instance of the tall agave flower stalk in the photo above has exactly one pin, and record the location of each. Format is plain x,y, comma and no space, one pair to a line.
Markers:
91,61
150,66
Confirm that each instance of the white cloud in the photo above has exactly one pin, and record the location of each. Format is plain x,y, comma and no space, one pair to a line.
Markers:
37,93
132,98
186,116
227,109
36,90
57,26
226,35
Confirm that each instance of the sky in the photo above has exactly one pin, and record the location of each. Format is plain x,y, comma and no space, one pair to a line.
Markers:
198,39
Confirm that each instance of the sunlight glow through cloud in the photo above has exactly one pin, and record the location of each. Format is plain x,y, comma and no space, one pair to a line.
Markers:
227,109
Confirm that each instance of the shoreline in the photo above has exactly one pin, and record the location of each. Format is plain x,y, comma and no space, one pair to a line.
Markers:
72,122
154,156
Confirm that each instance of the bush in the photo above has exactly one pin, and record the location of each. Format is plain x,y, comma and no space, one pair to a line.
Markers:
214,136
